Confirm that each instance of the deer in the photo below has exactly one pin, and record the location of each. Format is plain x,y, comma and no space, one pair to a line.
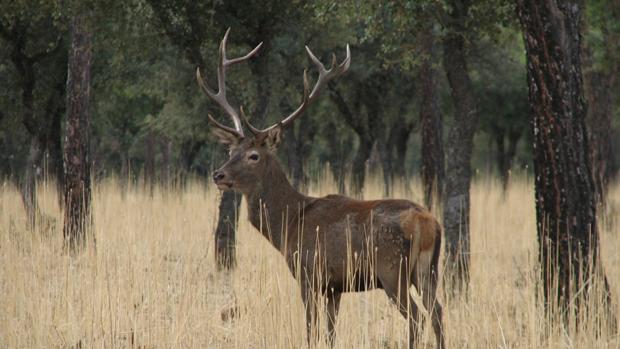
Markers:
332,244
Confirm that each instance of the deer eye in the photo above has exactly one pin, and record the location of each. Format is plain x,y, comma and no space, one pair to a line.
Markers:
253,156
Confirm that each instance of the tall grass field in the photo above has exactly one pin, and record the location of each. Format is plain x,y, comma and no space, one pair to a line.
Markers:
152,281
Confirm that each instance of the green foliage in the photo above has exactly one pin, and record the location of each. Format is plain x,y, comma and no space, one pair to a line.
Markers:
603,34
146,52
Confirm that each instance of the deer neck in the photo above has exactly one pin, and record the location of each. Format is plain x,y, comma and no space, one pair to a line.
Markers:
272,204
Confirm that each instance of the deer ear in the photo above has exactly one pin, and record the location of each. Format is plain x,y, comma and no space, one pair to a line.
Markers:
272,138
225,138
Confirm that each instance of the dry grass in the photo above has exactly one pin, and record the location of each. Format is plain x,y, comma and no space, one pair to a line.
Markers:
152,281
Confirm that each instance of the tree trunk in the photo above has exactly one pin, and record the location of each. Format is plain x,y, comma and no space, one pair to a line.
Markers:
149,163
336,157
19,50
124,175
565,191
601,79
77,167
29,182
397,141
165,145
600,110
55,151
259,66
499,136
358,170
294,162
385,155
298,144
398,138
432,125
298,149
189,151
51,131
505,154
360,124
511,152
459,147
33,163
225,231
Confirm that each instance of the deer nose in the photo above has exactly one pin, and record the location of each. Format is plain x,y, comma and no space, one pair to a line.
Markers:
218,175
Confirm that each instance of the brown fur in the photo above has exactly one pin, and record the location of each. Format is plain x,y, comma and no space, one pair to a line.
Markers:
337,243
420,225
333,244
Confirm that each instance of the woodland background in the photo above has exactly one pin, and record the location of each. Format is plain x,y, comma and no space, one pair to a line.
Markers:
149,117
481,110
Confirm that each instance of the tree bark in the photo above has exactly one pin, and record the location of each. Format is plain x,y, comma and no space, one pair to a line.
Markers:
513,140
375,127
499,135
358,169
600,98
385,155
296,163
259,66
149,163
505,153
359,123
565,191
124,175
298,144
397,141
77,221
189,152
337,157
225,232
29,183
431,121
50,132
298,147
165,145
25,67
601,80
54,146
459,147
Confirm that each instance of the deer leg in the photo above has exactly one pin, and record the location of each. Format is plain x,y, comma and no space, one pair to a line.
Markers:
429,277
333,303
396,285
415,282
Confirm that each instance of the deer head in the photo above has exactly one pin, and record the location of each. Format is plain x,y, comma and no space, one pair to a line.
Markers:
253,156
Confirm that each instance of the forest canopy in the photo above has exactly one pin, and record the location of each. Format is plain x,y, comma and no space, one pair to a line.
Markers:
149,117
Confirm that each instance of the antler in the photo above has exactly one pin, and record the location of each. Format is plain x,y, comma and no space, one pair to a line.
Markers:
220,96
310,96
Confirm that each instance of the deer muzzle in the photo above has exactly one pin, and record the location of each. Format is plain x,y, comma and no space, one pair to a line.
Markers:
220,179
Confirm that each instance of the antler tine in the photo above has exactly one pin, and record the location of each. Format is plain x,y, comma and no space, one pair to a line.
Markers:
229,62
244,118
220,99
324,77
220,96
224,127
207,90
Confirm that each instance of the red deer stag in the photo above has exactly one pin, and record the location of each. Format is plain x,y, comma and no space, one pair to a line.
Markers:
334,244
